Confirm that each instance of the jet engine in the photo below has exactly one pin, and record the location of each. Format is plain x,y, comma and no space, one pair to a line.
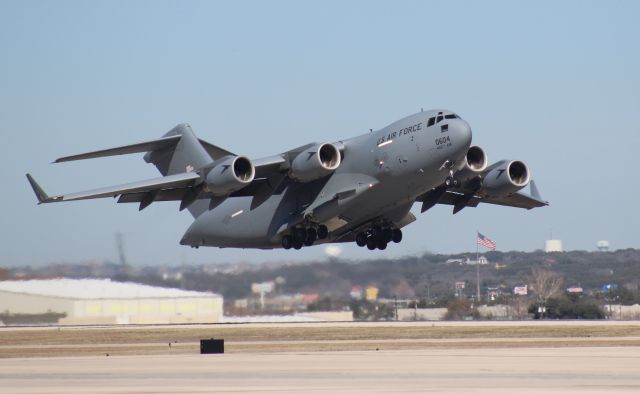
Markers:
315,162
475,161
231,174
506,178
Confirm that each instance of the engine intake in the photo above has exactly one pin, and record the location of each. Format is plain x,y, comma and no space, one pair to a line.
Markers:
506,178
476,159
231,174
475,162
315,162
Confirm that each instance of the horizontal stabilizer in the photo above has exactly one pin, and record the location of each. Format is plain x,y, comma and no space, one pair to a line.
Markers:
125,150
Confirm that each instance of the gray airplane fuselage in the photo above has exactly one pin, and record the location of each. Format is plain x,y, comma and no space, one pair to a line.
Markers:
391,168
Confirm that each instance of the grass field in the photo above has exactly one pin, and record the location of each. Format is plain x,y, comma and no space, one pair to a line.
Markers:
74,341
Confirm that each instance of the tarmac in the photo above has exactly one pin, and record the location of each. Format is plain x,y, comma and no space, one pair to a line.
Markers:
487,370
383,357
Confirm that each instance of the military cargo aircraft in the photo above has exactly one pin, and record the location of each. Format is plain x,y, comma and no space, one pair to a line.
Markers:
359,189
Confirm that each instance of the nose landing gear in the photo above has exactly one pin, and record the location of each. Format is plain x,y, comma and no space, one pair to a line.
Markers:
451,180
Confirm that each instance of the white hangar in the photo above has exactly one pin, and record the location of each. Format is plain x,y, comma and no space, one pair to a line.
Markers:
101,301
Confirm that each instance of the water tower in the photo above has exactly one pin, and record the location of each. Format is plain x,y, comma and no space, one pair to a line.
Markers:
552,245
603,246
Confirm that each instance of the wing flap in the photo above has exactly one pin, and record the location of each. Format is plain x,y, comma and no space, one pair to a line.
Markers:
160,195
516,200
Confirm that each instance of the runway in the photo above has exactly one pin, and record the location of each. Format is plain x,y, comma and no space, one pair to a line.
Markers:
470,357
522,370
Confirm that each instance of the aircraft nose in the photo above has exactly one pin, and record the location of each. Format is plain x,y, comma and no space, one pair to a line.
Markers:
462,132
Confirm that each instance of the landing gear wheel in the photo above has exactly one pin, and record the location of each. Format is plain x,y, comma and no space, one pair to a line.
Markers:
387,235
299,235
396,235
371,243
382,245
312,235
361,239
448,181
287,242
323,231
297,245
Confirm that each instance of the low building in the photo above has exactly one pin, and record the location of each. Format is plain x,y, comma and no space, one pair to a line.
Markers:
101,301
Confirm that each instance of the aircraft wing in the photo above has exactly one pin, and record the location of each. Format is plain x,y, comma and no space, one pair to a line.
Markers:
517,200
156,185
276,165
461,198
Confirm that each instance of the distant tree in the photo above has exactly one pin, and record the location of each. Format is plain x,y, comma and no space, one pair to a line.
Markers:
569,307
325,304
621,295
367,310
519,306
460,309
544,284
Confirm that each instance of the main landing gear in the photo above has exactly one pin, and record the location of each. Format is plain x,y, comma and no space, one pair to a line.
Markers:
377,237
304,236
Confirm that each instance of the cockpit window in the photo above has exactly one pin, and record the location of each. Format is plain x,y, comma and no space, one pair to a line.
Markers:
450,116
439,119
432,121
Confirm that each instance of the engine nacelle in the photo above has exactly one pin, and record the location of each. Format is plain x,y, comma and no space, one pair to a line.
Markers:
475,161
506,178
231,174
315,162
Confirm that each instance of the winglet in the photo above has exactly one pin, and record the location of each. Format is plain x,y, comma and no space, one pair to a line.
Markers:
535,193
40,194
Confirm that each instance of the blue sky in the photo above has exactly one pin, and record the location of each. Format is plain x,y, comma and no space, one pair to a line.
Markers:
552,83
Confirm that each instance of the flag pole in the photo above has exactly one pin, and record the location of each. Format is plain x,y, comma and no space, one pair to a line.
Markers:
477,267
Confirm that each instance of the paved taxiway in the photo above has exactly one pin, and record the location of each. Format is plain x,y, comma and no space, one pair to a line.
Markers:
501,370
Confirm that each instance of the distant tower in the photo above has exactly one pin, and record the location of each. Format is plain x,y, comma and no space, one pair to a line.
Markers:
120,245
552,245
603,246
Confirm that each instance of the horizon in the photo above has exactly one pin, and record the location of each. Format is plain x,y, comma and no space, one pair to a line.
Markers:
323,259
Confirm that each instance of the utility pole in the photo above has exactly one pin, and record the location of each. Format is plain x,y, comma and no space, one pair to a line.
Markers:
120,245
395,298
477,268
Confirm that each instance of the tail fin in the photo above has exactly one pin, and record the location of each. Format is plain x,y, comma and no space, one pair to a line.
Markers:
177,152
188,154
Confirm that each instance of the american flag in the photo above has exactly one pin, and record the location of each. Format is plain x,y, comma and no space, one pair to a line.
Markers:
486,242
